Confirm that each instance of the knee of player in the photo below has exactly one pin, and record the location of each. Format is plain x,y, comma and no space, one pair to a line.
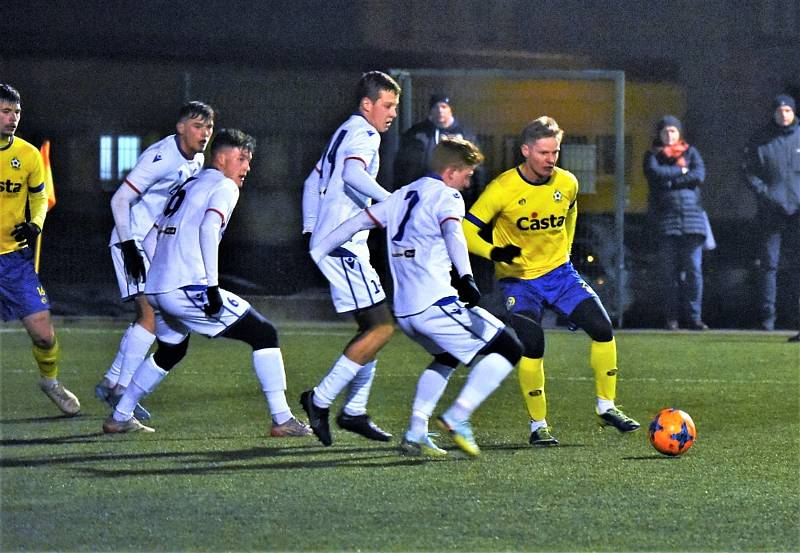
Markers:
382,331
168,355
530,334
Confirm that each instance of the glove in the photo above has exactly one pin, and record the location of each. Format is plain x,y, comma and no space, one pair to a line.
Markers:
214,304
505,254
26,233
134,264
468,291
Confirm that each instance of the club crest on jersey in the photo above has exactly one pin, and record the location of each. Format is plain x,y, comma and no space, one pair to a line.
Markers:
15,164
157,158
557,196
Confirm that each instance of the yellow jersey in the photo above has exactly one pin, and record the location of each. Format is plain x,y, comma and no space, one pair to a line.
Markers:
21,182
537,217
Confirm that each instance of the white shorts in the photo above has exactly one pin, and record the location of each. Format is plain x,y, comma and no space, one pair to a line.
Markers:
128,289
354,283
181,311
453,328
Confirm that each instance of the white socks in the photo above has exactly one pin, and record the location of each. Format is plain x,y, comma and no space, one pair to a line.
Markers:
112,374
358,391
339,376
484,379
430,387
604,405
138,344
268,364
146,378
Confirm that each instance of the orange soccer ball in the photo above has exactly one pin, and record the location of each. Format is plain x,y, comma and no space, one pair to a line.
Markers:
672,432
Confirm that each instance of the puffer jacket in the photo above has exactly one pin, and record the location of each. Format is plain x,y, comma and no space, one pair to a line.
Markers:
772,167
675,198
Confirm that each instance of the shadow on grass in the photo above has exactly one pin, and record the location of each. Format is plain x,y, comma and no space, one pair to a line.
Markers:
50,418
73,439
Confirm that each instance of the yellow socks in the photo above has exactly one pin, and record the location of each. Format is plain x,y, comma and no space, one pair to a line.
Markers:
603,359
47,359
531,383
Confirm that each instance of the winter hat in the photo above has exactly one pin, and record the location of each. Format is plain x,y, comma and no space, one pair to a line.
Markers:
669,121
783,100
439,97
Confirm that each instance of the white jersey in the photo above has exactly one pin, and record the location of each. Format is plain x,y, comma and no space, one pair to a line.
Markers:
158,172
354,139
418,258
178,260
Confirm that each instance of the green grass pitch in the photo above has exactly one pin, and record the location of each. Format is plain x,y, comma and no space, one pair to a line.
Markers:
210,479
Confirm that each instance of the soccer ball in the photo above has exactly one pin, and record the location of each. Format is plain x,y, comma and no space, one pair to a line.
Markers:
672,432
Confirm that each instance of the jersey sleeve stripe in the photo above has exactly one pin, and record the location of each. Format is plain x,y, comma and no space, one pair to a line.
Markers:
357,159
129,183
35,189
451,218
218,212
475,221
373,218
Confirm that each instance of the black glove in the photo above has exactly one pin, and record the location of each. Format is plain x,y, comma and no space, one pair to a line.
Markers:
134,264
214,304
505,254
26,233
468,291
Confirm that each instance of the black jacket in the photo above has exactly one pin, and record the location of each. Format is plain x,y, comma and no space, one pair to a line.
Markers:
675,199
416,146
772,167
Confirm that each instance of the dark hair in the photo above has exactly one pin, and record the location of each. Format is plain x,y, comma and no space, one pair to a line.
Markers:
232,138
372,83
455,152
196,110
541,127
8,94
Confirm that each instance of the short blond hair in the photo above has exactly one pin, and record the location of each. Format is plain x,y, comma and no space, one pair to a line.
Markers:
455,152
541,127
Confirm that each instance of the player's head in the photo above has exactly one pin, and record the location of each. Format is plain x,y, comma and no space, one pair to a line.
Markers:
231,153
784,110
378,95
194,128
439,111
669,130
9,110
541,144
455,159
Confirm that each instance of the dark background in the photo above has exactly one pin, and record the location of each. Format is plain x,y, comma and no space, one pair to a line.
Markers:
283,71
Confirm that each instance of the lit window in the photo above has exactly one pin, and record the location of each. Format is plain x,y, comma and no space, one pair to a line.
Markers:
118,155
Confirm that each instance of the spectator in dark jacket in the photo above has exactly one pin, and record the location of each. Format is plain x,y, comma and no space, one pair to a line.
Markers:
675,172
772,166
419,140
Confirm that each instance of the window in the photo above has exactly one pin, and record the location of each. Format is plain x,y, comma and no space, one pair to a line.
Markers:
118,155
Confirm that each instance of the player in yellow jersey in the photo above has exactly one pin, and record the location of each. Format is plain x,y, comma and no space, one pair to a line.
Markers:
532,210
21,294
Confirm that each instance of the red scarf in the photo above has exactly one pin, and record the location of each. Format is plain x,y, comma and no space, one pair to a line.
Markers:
674,153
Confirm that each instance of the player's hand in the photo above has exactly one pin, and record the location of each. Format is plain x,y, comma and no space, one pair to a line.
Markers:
214,304
26,233
468,291
505,254
134,264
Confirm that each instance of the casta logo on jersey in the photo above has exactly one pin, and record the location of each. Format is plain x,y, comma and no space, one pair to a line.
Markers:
534,222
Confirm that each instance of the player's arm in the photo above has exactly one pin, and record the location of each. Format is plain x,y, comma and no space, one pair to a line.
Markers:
25,232
341,234
311,200
355,175
456,245
752,170
569,224
478,218
121,203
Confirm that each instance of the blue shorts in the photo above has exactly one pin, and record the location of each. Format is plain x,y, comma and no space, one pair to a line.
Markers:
562,289
21,293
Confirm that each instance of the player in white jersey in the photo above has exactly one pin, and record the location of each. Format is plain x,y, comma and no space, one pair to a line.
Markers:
141,197
183,287
424,240
341,184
